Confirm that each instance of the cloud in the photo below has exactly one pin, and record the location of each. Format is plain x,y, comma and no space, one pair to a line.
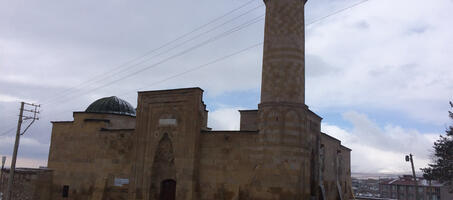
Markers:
8,99
369,58
226,118
317,67
26,162
31,153
395,61
382,149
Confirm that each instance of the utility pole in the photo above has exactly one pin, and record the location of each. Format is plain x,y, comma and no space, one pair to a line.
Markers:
409,158
16,143
1,175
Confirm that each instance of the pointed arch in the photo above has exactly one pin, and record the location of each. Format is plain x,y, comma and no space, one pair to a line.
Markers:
163,167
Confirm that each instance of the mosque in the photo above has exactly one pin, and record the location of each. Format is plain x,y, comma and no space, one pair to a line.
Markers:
164,150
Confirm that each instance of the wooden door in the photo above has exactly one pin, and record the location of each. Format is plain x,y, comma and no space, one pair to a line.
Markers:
168,190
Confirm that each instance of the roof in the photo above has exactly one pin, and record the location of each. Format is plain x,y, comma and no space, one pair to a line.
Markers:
313,113
171,90
111,105
229,132
28,170
408,180
331,137
345,148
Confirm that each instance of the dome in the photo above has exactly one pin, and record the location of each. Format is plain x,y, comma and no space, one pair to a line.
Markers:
112,105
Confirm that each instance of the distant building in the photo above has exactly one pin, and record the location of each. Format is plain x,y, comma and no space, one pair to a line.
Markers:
368,187
403,188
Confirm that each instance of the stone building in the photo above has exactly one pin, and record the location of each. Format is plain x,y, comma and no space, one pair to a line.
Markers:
29,183
404,188
165,150
90,156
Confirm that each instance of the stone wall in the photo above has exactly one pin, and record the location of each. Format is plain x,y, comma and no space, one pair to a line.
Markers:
89,154
249,120
28,184
231,163
335,168
345,177
313,127
229,160
329,165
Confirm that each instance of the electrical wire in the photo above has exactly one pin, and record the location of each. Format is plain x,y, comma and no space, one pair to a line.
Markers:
200,66
168,78
66,91
8,131
210,40
337,12
315,21
192,69
174,47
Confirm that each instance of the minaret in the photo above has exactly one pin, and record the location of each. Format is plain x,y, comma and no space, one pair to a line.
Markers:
284,136
283,58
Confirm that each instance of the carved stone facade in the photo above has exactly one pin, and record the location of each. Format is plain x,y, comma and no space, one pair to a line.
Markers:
164,163
167,150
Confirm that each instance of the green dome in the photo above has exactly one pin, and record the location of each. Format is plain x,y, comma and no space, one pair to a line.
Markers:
111,105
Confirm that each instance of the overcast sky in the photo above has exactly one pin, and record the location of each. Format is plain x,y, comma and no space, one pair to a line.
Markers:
380,73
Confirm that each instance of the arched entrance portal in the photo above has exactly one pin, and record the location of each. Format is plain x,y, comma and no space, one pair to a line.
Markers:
167,190
163,172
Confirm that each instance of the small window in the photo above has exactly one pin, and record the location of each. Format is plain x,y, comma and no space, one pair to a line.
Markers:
65,191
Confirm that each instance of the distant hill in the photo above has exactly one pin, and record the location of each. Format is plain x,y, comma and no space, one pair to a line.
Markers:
377,175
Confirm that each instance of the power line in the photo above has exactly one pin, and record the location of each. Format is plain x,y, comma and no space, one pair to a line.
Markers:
193,69
246,24
336,12
235,29
317,20
7,132
201,66
158,48
174,47
9,125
